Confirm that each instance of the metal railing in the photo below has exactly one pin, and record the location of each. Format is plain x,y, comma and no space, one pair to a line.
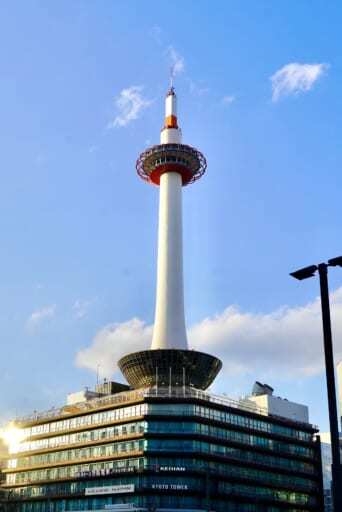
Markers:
190,392
127,397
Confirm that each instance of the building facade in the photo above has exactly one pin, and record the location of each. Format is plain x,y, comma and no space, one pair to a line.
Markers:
339,385
326,469
164,449
3,465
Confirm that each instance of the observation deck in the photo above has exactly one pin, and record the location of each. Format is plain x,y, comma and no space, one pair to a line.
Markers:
181,158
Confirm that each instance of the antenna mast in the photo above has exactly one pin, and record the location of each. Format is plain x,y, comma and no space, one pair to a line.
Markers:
172,76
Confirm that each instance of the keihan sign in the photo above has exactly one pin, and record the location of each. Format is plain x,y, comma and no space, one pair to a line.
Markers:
109,489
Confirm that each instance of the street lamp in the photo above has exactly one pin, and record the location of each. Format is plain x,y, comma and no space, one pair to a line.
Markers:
305,273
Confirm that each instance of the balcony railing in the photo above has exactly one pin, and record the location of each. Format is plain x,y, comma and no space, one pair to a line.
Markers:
128,397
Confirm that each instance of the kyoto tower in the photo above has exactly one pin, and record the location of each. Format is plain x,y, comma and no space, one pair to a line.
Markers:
170,165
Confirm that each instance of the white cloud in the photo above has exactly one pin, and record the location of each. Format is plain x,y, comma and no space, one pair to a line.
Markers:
113,342
286,343
41,315
197,89
129,104
81,307
177,61
295,78
227,100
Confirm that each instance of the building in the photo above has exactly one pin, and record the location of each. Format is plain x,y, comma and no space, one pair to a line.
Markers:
3,458
163,449
339,384
326,447
163,443
326,468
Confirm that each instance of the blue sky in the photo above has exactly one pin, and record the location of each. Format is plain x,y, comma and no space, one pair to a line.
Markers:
78,227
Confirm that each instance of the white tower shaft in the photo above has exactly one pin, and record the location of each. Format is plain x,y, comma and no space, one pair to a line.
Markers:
169,327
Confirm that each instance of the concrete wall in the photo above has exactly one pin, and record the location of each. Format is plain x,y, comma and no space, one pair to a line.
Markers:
281,407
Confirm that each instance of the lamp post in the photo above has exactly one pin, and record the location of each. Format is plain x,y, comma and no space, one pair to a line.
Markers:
305,273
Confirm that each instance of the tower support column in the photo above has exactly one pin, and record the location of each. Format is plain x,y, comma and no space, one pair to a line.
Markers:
169,328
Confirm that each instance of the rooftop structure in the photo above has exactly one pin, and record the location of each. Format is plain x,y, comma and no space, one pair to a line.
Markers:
262,396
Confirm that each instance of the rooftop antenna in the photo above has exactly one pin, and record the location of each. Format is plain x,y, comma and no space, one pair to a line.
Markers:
172,76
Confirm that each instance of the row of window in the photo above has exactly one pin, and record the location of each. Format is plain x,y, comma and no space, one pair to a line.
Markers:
75,471
140,482
183,445
174,159
175,409
229,435
297,498
162,465
158,445
231,418
86,420
83,437
178,464
162,501
105,450
153,427
114,449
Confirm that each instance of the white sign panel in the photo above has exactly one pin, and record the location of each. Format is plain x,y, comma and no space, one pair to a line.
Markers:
109,489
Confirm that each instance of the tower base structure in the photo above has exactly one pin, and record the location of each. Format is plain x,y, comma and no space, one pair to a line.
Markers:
170,367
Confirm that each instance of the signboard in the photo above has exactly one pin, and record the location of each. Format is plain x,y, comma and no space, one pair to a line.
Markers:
109,489
172,487
172,468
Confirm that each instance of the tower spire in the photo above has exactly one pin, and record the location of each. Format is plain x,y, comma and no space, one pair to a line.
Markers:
172,76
